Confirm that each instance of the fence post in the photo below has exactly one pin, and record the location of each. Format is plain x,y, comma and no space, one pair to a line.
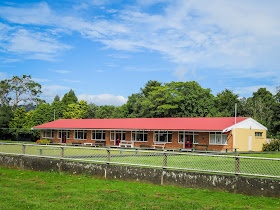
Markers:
237,164
108,156
164,161
23,149
62,152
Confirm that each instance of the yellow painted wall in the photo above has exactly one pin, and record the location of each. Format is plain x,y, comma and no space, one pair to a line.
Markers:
242,139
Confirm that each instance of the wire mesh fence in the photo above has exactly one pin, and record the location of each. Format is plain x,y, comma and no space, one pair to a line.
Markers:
231,164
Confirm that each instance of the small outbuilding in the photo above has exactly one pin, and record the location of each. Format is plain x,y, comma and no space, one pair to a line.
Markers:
211,133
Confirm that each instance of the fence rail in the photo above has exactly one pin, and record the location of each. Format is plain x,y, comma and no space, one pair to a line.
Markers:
230,164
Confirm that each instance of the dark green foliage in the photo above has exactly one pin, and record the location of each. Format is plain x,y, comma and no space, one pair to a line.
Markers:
6,115
276,115
105,112
225,103
149,87
59,108
92,111
70,98
42,114
56,98
175,99
20,121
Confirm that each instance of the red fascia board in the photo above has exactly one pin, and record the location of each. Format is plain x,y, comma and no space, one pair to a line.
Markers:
199,124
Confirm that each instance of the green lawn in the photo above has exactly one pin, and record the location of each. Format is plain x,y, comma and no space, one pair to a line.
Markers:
151,158
267,155
43,190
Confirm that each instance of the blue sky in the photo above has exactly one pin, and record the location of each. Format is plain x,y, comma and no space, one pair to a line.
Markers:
106,50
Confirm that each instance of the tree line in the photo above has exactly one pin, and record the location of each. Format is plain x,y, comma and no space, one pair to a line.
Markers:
22,108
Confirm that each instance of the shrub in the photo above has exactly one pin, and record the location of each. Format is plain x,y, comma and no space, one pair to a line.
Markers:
43,141
274,145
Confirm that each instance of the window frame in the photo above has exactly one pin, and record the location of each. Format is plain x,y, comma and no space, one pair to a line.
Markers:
259,136
139,132
84,134
184,133
46,131
123,133
103,133
217,133
158,133
59,134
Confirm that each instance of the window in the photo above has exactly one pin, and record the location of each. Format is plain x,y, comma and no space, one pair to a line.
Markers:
117,134
59,134
48,134
162,136
258,134
218,138
139,136
182,136
98,135
81,134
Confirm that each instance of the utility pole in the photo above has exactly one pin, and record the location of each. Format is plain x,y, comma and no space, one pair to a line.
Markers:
234,137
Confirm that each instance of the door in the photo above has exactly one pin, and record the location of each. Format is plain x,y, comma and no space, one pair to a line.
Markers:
118,139
63,137
250,143
188,141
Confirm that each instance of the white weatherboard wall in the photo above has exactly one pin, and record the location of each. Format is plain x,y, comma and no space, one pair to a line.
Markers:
247,124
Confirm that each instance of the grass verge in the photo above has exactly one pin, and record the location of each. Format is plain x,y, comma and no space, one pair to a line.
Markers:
43,190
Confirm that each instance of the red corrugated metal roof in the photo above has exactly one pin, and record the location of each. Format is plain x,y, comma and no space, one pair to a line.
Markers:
189,123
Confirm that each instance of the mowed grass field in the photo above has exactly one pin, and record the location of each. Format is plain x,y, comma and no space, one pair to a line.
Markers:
190,161
44,190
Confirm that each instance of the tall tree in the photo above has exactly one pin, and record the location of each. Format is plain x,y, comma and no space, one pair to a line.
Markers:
70,98
178,99
76,111
276,116
149,87
56,98
24,89
58,108
106,111
6,115
92,111
5,89
18,123
261,107
225,103
42,114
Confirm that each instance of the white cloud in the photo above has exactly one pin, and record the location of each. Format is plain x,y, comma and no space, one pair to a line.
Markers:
248,91
221,34
103,99
20,43
180,73
24,41
40,80
4,75
61,71
71,81
50,91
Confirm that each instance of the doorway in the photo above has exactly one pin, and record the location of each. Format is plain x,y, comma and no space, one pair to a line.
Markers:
250,143
63,137
188,141
118,139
